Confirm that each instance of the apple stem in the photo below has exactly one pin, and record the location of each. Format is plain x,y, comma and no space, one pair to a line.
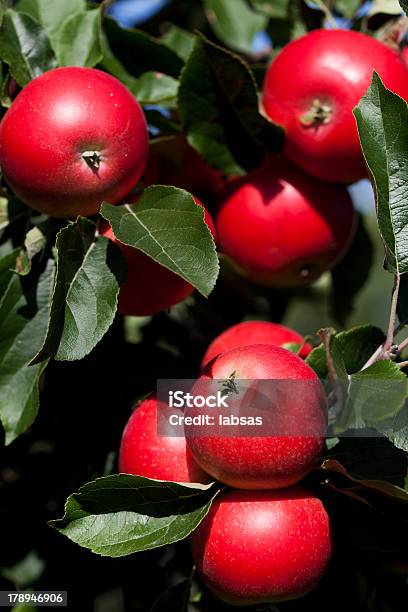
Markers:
318,114
229,385
389,350
403,345
93,159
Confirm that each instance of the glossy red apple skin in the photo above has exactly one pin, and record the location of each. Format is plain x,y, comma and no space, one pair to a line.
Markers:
290,446
334,67
254,332
144,453
282,227
258,547
55,119
150,287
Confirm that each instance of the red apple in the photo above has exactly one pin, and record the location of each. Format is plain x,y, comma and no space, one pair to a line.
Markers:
73,138
254,332
311,88
275,385
282,227
258,547
145,453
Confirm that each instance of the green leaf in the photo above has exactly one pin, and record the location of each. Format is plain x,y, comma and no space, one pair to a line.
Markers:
293,347
122,514
24,608
139,52
78,41
382,119
85,294
234,23
24,310
355,347
396,428
350,275
7,265
179,40
25,47
374,394
3,8
34,243
51,13
218,104
348,8
175,598
156,88
168,226
272,8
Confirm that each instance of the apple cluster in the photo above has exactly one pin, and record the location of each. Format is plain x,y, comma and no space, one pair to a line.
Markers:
266,538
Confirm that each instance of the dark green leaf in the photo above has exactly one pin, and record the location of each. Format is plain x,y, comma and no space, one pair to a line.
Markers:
404,6
350,275
218,103
369,489
334,354
7,265
122,514
180,41
382,119
51,13
25,47
3,8
78,41
234,23
175,598
355,346
139,52
85,295
374,458
24,310
156,88
110,63
10,211
365,514
168,226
